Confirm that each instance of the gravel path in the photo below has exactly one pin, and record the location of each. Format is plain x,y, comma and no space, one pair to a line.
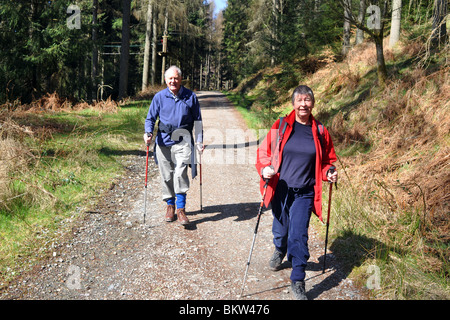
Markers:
111,254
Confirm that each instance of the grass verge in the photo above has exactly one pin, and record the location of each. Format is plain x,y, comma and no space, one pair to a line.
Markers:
389,225
52,166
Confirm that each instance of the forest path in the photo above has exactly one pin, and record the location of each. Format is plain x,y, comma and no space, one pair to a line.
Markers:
111,254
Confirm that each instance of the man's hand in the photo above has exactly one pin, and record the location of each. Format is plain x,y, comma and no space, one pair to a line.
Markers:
148,138
200,147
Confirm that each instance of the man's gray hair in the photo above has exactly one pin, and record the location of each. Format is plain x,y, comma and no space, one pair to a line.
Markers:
302,89
178,70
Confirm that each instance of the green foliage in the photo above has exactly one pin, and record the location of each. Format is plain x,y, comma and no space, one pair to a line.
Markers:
390,210
41,54
235,37
65,176
43,45
256,33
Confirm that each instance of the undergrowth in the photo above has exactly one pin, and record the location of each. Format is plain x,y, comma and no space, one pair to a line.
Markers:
55,158
390,213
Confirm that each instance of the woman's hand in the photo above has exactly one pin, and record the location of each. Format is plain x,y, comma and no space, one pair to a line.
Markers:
268,172
332,176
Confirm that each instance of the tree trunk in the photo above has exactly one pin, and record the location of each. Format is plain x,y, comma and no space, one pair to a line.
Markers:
346,35
201,75
148,32
166,33
94,70
381,65
154,44
125,49
361,14
219,73
35,88
439,31
275,15
395,24
378,38
208,64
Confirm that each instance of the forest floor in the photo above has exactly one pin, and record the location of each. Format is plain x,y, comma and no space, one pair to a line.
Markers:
111,254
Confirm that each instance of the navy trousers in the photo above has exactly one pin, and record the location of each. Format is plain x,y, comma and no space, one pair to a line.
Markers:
291,209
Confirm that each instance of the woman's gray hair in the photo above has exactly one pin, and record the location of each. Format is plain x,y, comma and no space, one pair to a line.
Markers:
302,89
178,70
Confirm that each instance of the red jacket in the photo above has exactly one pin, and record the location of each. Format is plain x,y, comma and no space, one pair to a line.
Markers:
267,155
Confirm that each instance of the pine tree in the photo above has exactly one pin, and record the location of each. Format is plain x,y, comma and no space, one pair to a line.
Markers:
125,49
236,37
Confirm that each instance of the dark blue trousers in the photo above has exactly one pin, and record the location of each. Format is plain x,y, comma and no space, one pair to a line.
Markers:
291,209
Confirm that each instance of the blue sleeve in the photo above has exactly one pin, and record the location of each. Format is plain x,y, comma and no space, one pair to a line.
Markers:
198,125
152,115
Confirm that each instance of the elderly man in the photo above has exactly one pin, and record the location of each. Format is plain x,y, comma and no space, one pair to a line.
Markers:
178,111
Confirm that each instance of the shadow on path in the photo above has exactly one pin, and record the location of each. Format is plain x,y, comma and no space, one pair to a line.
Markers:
350,250
242,212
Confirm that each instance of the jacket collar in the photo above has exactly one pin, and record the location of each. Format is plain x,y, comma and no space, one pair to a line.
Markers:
169,93
290,118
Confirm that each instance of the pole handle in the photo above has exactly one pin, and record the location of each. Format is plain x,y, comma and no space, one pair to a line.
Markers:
332,169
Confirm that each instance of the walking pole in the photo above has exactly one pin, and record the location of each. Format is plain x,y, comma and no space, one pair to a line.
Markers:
146,174
200,165
332,168
254,235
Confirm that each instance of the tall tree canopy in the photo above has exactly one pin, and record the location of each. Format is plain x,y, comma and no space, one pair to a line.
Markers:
48,46
259,33
80,51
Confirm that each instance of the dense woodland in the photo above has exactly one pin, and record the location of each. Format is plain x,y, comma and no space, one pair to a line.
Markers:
92,49
379,70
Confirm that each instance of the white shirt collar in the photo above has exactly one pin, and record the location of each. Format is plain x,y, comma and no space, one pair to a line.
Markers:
176,96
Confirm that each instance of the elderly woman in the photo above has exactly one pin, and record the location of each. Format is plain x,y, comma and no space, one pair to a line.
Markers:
296,156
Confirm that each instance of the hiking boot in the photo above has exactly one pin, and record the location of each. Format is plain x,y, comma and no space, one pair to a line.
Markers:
181,214
298,290
275,260
170,213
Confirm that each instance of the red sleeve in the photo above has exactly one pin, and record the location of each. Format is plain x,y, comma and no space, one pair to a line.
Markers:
328,154
264,152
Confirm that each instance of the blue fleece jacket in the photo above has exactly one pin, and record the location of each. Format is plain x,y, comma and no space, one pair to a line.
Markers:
181,111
